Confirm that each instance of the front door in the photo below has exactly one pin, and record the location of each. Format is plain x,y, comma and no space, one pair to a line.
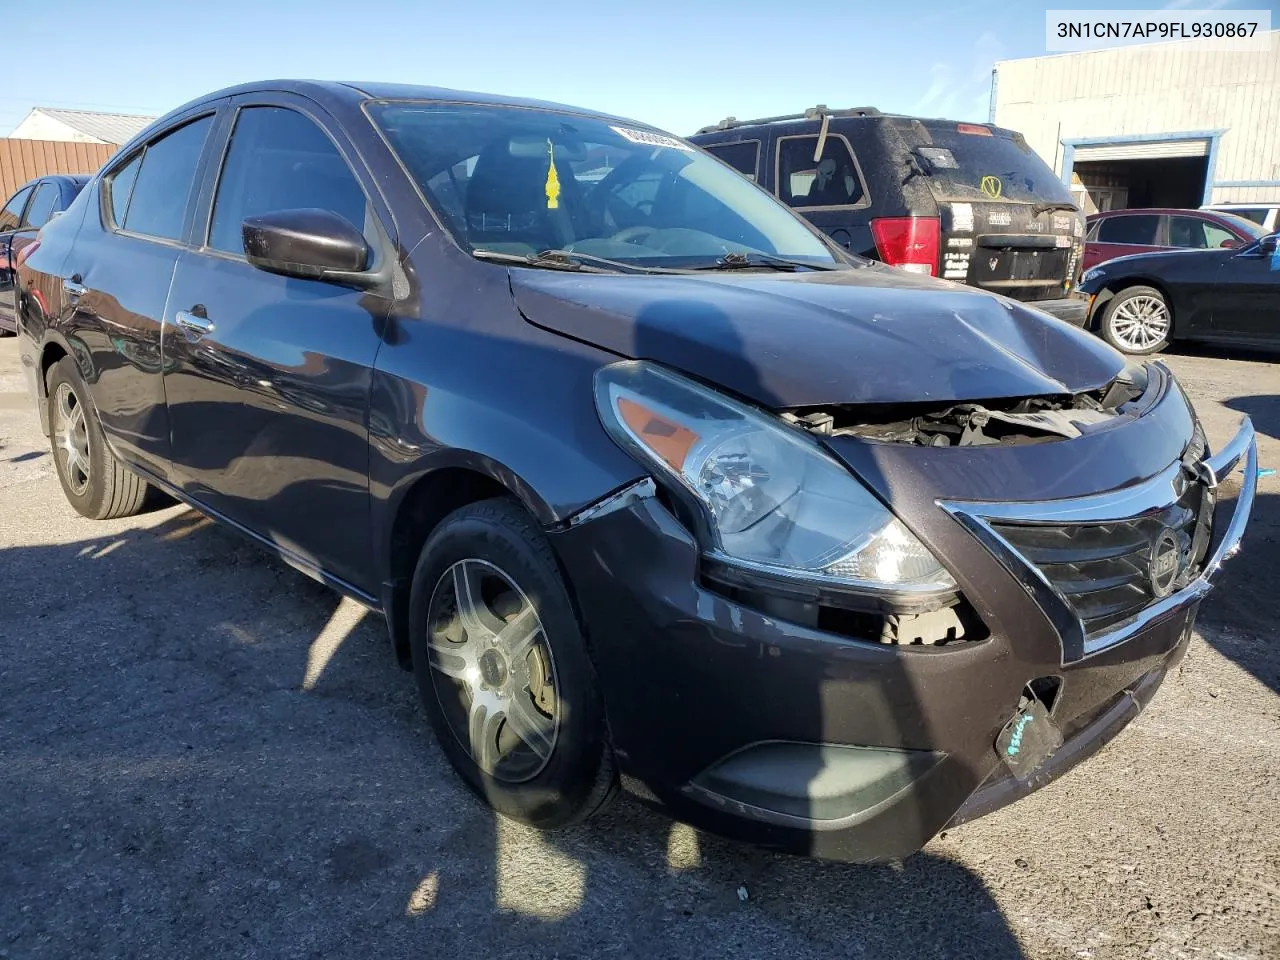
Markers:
268,377
1246,303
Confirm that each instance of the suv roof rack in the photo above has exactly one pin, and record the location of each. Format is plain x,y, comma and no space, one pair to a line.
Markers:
812,113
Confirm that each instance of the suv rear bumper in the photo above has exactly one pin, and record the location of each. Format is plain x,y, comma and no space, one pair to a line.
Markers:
1071,309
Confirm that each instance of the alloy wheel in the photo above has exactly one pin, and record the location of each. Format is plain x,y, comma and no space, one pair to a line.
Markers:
72,438
1140,322
493,670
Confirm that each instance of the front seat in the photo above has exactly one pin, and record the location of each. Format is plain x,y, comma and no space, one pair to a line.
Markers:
507,203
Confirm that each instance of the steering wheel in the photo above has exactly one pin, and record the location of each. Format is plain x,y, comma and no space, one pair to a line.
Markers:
632,234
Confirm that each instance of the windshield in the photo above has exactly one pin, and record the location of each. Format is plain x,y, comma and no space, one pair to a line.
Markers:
511,180
1245,226
971,162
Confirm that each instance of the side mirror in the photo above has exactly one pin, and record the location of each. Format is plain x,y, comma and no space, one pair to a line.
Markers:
311,243
1266,247
1229,243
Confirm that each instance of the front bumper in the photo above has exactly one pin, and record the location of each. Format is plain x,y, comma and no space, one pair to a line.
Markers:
807,741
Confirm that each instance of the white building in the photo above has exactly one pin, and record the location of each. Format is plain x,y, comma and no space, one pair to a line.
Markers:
1158,125
79,126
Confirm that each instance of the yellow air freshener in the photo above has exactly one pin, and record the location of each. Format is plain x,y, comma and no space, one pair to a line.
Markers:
553,180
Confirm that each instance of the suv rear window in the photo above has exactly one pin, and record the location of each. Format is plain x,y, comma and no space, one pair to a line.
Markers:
958,157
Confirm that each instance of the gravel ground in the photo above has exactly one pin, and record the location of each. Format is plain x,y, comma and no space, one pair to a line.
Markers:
205,754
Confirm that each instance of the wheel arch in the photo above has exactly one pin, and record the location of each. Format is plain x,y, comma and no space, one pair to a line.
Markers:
1116,287
53,350
443,484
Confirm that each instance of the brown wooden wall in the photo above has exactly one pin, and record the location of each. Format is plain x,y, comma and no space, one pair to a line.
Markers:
23,160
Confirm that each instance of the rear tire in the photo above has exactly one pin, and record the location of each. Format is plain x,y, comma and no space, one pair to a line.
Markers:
1137,321
503,670
97,484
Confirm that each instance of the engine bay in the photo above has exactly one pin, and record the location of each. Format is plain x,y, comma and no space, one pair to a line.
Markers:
1010,421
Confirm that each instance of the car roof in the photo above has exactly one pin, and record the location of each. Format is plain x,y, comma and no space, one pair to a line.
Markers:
355,92
1155,211
74,179
821,111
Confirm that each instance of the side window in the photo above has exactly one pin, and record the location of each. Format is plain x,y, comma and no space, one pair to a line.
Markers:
280,160
743,157
42,205
119,185
1139,229
833,181
157,204
1092,234
1216,236
12,212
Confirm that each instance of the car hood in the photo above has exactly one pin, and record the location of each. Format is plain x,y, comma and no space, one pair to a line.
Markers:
864,335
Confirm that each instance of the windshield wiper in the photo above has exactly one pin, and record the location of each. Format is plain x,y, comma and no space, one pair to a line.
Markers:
565,260
741,261
1040,208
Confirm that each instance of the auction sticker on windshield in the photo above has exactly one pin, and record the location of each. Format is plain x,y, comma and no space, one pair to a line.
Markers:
650,138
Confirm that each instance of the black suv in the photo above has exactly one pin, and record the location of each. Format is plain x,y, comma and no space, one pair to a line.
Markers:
963,201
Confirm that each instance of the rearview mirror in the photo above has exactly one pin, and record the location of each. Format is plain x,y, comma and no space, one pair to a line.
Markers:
310,243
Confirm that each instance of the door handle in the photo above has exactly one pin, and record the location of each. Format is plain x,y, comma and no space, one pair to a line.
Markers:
194,320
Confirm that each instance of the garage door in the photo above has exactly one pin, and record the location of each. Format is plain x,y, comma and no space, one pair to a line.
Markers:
1148,150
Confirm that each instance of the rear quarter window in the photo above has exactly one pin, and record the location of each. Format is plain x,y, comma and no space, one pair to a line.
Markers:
956,164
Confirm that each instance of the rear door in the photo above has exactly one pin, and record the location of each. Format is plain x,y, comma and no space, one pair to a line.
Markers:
10,220
268,377
1122,234
118,278
1008,223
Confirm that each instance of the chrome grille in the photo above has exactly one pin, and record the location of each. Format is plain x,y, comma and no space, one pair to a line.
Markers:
1104,570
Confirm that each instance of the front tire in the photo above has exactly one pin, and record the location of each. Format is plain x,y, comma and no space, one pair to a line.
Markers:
95,483
503,670
1137,321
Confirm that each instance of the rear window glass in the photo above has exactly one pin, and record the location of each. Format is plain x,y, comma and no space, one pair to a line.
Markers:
1250,225
975,166
1253,214
1141,229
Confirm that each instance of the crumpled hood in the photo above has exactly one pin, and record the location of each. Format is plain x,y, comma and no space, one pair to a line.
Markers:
866,335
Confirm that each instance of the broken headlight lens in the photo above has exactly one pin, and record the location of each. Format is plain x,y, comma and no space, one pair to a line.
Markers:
772,497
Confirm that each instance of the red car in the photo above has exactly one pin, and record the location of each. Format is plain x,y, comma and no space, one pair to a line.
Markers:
1118,233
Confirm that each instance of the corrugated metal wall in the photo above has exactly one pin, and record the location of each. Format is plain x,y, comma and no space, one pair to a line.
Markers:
23,160
1154,91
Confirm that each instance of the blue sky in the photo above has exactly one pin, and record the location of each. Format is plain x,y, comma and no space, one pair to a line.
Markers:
678,64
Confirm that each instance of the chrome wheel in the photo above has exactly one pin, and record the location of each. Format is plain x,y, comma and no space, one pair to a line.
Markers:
1140,323
71,437
493,671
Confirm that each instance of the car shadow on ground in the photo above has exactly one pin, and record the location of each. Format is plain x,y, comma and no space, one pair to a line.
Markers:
209,754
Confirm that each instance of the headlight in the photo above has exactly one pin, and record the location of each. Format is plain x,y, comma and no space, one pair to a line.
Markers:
1092,274
772,498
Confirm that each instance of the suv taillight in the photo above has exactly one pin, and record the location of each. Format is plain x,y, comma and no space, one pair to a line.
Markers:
911,243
